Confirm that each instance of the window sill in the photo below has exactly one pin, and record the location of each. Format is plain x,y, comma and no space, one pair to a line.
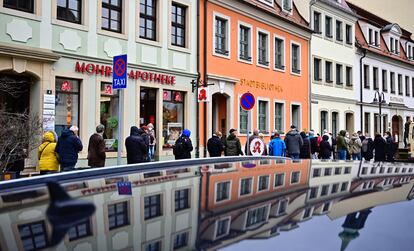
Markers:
225,55
349,87
281,68
67,24
179,49
266,66
246,61
123,36
296,72
148,42
21,14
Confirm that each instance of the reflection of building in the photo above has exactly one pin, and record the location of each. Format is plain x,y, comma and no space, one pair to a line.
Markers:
353,223
161,214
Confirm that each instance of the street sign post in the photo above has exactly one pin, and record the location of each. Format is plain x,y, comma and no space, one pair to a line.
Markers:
119,81
247,102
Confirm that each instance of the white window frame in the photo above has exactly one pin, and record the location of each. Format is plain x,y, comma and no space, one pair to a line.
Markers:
291,7
275,36
84,25
215,191
267,100
327,119
258,183
274,180
290,180
320,70
267,2
320,22
251,186
267,208
310,215
283,102
331,27
299,126
228,46
352,77
278,206
257,48
299,58
240,23
125,22
238,118
216,226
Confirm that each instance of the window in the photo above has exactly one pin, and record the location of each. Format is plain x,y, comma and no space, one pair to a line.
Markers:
148,19
279,179
69,10
109,115
243,120
262,48
313,193
244,43
316,172
373,170
364,170
263,183
282,206
328,72
366,76
296,115
246,186
327,172
412,87
400,85
384,81
81,230
279,113
375,78
334,188
173,116
376,37
339,34
112,15
325,190
182,199
407,86
178,15
295,58
295,178
392,44
67,104
338,170
317,22
33,235
317,69
180,240
155,246
287,5
222,191
307,213
21,5
339,74
367,122
344,186
256,216
348,34
279,54
348,76
152,206
118,215
370,40
347,170
222,227
328,27
324,120
263,108
221,38
326,207
397,46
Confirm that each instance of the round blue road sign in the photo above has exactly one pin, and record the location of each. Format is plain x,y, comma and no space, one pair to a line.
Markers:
247,101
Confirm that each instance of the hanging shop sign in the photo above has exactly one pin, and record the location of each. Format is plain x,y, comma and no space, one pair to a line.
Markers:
104,70
203,94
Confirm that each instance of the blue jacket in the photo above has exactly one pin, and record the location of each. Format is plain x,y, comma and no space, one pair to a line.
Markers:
67,148
277,147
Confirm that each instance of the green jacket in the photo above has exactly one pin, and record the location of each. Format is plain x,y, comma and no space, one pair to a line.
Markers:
340,141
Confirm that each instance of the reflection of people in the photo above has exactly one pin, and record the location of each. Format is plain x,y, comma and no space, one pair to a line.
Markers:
406,131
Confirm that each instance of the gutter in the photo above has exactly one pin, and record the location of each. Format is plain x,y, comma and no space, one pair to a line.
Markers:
310,67
205,76
361,105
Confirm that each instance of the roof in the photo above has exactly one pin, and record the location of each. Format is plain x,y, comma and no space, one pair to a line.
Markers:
342,6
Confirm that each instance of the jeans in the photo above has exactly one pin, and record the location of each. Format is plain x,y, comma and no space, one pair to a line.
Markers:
342,154
294,155
356,156
67,168
151,153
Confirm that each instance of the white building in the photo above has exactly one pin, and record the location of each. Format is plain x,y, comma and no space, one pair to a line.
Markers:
333,88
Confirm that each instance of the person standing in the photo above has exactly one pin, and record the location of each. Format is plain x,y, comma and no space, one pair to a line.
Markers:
46,153
391,146
232,146
406,131
251,138
214,145
277,146
367,148
379,147
355,146
96,148
325,149
183,146
314,145
305,150
341,145
145,136
293,142
152,142
135,146
261,136
68,147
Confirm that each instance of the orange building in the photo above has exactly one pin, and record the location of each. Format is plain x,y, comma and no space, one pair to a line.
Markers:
256,46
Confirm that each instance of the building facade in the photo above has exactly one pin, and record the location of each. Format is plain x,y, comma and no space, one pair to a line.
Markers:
260,47
61,54
333,83
385,60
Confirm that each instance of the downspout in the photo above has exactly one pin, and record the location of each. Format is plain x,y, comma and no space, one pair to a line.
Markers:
205,76
197,153
364,51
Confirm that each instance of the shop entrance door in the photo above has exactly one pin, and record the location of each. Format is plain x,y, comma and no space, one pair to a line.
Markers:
148,106
397,125
219,114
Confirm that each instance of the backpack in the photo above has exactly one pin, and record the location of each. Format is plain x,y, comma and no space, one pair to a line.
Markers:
178,148
364,147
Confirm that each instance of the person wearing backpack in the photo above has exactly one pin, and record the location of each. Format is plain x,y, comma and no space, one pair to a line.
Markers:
367,148
48,159
135,146
183,146
355,146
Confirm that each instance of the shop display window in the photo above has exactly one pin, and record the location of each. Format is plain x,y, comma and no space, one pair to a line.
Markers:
109,103
173,116
66,103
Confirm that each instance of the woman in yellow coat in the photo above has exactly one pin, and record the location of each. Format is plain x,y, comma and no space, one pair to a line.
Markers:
48,158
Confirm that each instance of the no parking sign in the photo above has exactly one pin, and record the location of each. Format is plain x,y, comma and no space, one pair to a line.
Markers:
119,76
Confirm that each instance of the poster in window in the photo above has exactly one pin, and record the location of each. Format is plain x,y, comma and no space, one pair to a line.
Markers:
174,131
178,97
166,96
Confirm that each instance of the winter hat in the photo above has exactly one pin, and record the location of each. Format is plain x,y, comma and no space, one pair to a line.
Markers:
186,132
232,130
150,126
74,128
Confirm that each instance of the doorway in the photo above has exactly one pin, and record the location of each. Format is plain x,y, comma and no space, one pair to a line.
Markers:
219,114
397,125
349,122
148,106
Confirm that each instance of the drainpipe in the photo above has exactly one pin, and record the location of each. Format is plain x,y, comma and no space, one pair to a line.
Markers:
197,153
205,76
310,67
364,51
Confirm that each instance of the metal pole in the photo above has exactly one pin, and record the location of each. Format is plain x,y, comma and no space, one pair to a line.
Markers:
248,132
379,115
120,125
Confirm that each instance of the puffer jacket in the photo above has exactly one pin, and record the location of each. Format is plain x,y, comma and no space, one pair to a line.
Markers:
341,142
232,146
48,159
68,147
293,142
355,145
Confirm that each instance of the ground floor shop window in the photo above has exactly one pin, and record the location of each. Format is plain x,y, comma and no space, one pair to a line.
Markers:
109,103
67,103
173,116
148,103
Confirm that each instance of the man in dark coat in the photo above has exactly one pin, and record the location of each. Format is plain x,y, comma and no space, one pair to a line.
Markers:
379,147
96,148
305,150
232,146
313,144
325,149
293,142
367,148
183,146
135,146
68,147
391,147
214,145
